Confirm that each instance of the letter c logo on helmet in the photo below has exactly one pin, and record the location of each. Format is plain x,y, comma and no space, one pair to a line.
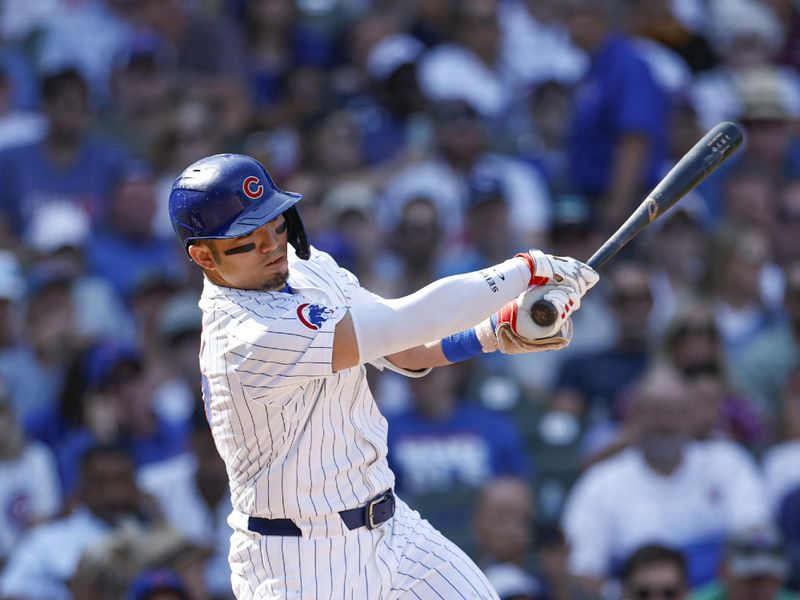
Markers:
252,188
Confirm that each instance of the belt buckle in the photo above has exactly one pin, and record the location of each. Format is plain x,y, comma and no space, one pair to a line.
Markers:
371,524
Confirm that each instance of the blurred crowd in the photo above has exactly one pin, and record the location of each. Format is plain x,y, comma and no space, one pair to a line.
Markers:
657,457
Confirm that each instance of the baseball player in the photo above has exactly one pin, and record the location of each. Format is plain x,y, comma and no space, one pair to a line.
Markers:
286,335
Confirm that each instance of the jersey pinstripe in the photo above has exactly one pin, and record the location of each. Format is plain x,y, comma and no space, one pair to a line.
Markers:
298,440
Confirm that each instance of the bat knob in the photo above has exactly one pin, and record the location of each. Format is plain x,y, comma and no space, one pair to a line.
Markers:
544,313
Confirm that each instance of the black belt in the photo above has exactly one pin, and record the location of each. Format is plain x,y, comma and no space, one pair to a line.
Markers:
378,510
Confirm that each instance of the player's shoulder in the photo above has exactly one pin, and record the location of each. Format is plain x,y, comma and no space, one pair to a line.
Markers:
244,313
719,454
625,465
321,270
317,258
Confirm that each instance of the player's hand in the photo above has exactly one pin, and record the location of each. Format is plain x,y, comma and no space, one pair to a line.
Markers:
513,331
562,270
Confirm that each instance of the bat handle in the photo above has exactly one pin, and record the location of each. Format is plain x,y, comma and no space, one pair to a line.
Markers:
544,313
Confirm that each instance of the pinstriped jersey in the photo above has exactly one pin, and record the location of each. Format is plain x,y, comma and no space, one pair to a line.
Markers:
298,439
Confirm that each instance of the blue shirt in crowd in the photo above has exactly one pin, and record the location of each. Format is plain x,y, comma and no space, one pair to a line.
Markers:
619,95
467,448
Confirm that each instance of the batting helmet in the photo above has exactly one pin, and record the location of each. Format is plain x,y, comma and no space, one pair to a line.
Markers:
230,195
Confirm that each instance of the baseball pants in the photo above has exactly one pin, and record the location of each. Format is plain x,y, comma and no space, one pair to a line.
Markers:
404,558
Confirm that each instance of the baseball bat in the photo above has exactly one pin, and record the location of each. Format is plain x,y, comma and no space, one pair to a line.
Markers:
710,152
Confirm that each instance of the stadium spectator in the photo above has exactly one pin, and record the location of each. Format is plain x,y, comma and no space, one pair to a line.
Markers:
69,165
119,409
444,441
745,35
123,248
469,67
773,354
88,36
58,239
787,240
47,557
741,288
654,572
36,367
618,135
189,133
443,444
675,249
17,126
272,41
130,558
30,491
398,128
596,380
692,343
662,489
781,469
755,567
143,87
192,493
536,46
172,365
414,246
503,525
210,57
461,145
158,584
486,208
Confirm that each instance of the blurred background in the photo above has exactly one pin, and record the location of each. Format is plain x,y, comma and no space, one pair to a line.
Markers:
658,457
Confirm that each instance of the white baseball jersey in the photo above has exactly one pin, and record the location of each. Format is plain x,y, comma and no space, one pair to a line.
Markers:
29,491
304,443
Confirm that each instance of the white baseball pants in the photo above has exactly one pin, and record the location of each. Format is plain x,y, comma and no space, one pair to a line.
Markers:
403,558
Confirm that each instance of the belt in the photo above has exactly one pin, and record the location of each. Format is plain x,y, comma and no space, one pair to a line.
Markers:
378,510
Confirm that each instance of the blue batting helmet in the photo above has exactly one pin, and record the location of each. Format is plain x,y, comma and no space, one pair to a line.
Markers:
230,195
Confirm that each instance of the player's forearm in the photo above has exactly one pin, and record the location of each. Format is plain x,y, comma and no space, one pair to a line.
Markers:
440,309
420,357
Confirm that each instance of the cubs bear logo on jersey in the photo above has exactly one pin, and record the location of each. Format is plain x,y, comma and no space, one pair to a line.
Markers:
313,315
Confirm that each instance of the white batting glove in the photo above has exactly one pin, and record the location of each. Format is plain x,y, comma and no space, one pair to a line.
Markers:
562,270
513,331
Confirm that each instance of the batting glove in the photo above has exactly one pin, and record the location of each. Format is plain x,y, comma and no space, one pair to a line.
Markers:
562,270
512,330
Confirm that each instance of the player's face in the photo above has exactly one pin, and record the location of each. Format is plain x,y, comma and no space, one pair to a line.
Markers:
256,261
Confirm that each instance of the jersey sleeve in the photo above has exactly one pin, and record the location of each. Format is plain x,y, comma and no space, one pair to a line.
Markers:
283,348
362,295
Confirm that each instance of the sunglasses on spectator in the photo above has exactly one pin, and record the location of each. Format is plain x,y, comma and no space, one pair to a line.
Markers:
653,593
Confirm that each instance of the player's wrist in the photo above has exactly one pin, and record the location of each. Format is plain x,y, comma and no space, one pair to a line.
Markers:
471,342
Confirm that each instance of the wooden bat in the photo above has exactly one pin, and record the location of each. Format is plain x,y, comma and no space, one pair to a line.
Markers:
698,163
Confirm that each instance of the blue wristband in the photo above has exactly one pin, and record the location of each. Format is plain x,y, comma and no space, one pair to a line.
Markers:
461,346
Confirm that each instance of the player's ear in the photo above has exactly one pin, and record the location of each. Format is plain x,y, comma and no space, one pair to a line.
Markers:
203,256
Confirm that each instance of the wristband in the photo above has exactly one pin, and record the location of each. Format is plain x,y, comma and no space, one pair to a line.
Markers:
461,346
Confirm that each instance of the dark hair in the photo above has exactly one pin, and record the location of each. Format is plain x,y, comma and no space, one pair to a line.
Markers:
651,554
53,84
103,450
